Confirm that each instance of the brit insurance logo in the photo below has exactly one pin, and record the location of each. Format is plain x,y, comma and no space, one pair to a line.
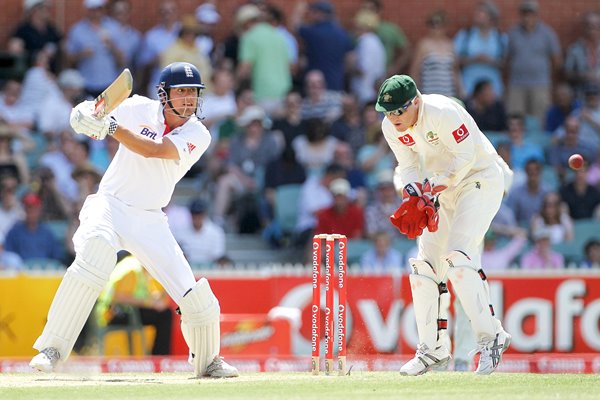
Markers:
148,132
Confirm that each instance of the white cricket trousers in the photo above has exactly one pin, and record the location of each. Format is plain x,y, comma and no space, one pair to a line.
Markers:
144,233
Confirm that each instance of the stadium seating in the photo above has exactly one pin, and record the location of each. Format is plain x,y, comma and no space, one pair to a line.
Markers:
286,206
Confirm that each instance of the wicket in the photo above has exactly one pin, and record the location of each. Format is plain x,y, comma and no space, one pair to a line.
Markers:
329,306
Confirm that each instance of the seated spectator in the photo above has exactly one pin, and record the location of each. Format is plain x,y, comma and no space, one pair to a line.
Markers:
344,156
349,126
486,108
554,216
593,176
56,207
375,157
526,200
567,144
315,148
87,178
344,217
318,101
219,104
315,195
9,261
503,148
130,39
12,110
54,118
541,256
131,285
249,154
290,122
10,207
31,238
38,84
37,33
495,258
581,62
12,161
563,105
583,200
592,254
203,243
382,256
522,149
384,204
589,117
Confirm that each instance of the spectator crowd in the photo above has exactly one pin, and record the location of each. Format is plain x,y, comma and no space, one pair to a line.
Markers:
290,104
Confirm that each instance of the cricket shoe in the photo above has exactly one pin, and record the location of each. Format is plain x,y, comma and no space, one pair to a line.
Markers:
425,360
46,360
490,353
220,369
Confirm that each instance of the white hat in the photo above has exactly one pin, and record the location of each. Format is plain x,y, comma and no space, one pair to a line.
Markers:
339,186
71,78
29,4
207,14
94,3
246,13
251,113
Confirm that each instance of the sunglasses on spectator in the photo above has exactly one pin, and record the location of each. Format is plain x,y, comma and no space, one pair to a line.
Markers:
399,111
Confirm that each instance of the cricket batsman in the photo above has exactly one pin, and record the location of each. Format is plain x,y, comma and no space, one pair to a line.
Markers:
159,141
453,185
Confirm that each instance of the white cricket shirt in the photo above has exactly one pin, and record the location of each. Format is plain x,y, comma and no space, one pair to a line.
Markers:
445,141
148,183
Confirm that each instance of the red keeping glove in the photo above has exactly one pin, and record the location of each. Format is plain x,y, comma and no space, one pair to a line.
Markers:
408,218
429,204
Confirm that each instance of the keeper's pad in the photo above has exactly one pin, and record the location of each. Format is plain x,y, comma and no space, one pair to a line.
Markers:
473,293
200,325
76,296
428,301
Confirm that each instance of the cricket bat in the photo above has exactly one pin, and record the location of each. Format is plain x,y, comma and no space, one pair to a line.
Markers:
113,95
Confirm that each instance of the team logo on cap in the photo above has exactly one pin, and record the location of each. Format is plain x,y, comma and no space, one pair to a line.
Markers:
387,98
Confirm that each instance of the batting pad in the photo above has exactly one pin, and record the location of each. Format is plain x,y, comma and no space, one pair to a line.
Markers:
425,294
473,295
200,312
76,296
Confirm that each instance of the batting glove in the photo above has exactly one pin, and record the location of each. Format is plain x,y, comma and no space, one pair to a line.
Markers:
83,121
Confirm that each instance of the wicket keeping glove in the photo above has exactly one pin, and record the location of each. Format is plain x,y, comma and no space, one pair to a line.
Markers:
428,202
408,218
83,121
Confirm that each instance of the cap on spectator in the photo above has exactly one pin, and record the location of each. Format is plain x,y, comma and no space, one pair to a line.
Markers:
29,4
251,113
207,14
86,169
339,186
541,233
32,200
529,6
71,79
395,92
94,3
247,13
385,178
322,6
366,19
198,206
190,23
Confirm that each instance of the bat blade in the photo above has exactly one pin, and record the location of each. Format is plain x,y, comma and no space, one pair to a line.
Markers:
113,95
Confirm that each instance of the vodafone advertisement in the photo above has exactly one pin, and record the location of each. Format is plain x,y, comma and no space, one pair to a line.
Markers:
272,314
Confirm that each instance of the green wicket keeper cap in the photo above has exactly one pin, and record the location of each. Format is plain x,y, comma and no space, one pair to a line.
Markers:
395,92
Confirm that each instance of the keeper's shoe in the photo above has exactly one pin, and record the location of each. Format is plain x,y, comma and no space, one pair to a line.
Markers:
45,360
490,353
220,369
425,360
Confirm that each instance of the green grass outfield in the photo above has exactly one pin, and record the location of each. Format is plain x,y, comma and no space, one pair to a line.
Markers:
359,385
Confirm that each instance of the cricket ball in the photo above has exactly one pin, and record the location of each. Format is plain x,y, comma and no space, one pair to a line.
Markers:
576,161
